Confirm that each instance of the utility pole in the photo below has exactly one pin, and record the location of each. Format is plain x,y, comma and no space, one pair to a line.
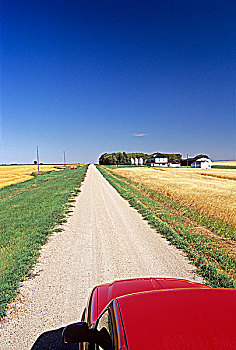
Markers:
38,157
64,158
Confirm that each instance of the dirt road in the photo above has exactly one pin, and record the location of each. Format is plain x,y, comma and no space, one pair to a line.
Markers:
104,239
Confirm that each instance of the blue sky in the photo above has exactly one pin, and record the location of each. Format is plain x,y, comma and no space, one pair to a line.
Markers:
90,77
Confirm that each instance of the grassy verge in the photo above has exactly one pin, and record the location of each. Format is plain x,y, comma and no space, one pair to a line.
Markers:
223,167
124,166
44,172
29,212
213,258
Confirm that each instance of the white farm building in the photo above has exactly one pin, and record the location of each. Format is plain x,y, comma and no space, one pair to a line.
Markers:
140,161
158,160
174,164
203,163
136,161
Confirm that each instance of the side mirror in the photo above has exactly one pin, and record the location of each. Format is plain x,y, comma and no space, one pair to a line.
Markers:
79,333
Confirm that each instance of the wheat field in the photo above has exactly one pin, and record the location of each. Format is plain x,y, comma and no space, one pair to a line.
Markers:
211,192
225,162
12,174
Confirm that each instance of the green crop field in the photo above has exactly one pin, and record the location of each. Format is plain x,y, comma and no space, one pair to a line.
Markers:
209,243
29,212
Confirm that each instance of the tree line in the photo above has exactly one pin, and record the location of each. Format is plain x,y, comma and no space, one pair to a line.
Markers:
114,158
123,158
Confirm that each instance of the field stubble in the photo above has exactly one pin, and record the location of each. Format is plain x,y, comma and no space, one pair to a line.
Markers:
225,162
209,243
12,174
211,192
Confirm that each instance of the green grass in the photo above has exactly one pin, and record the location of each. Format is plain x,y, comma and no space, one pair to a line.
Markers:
29,212
223,167
204,251
124,166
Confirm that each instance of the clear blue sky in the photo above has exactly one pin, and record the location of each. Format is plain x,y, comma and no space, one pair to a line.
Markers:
90,77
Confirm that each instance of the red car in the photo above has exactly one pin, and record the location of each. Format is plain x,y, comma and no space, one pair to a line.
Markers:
156,313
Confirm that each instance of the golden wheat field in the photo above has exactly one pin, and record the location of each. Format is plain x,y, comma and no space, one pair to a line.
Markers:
12,174
212,191
225,162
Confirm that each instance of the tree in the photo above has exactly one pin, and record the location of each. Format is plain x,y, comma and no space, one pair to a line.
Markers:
177,157
125,158
114,158
119,157
201,156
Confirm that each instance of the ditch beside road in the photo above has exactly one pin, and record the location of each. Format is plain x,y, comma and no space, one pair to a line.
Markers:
104,239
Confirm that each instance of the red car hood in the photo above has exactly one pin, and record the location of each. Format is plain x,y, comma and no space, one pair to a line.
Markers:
180,319
110,291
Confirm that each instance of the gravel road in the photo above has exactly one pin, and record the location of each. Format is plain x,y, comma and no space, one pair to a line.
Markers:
104,239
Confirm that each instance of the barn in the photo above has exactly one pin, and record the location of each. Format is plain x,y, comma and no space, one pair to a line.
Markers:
203,163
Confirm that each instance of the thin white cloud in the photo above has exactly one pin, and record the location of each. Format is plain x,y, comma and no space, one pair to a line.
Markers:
138,135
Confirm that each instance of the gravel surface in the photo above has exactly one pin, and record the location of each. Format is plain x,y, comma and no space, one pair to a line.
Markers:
104,239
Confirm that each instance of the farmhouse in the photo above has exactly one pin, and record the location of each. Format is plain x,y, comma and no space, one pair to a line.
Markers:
203,163
158,160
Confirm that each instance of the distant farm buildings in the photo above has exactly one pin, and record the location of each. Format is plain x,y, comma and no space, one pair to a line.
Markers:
136,161
197,162
158,160
174,164
161,160
203,163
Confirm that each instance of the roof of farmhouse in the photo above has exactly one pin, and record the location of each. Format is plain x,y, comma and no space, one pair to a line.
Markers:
158,155
196,158
203,160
